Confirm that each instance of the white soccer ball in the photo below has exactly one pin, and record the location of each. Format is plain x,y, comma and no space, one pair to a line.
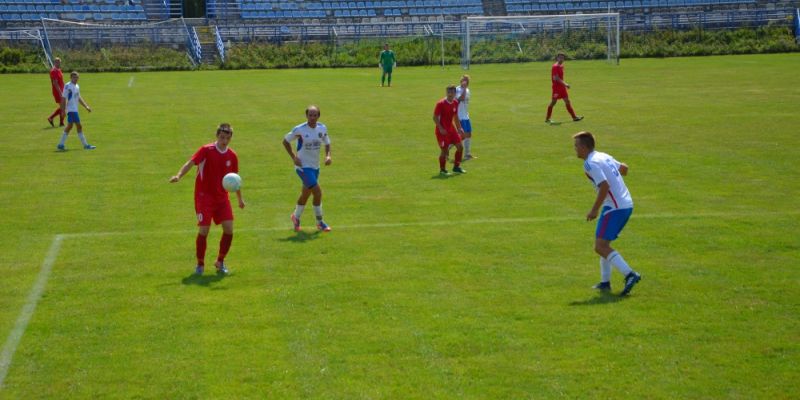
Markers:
232,182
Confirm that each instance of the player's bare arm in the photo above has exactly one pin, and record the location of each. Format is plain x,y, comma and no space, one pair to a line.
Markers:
184,169
602,192
83,103
295,159
437,120
457,124
328,159
623,169
239,197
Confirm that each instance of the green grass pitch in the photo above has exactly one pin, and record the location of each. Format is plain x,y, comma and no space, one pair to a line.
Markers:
471,287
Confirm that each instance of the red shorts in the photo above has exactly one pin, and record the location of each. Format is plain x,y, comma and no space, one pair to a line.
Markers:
560,93
444,141
209,208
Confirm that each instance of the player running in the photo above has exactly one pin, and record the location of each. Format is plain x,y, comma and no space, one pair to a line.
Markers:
310,136
70,99
448,130
386,63
606,175
560,89
57,87
211,201
463,95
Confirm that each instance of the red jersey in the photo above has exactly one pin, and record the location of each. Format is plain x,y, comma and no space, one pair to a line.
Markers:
446,111
212,165
557,71
56,74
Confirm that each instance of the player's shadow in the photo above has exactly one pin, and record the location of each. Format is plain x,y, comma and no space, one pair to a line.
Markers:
554,123
600,298
203,280
301,237
448,176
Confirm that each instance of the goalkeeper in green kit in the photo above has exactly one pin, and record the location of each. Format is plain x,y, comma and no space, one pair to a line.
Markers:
387,62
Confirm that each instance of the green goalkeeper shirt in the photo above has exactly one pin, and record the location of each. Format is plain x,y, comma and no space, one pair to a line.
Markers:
387,58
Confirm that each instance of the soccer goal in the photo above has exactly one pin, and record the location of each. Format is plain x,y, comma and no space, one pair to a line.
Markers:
118,46
540,37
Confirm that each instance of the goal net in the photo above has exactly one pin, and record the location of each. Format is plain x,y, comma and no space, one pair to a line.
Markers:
540,37
118,46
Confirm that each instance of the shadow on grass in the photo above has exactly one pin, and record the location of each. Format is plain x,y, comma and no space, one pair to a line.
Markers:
601,298
203,280
301,237
554,123
448,176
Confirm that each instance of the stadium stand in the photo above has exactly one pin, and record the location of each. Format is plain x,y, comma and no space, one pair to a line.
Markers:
74,10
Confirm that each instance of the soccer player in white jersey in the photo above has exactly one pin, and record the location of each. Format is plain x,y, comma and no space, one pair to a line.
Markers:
69,102
310,137
463,95
606,174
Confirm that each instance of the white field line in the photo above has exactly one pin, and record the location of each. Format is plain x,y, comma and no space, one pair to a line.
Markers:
36,292
480,221
130,82
27,310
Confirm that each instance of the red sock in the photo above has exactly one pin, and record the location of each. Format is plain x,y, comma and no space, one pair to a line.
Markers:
56,112
549,111
442,161
200,244
571,111
60,116
224,246
459,153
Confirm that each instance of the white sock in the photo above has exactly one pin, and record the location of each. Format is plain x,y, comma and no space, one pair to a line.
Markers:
63,139
82,138
467,146
298,210
619,263
605,270
318,212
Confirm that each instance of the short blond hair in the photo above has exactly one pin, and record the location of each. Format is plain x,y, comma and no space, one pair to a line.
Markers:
585,138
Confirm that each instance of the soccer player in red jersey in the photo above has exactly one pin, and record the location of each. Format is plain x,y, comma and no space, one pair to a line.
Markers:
211,201
448,130
560,89
57,86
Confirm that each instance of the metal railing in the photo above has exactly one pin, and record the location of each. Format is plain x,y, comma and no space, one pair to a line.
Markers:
220,45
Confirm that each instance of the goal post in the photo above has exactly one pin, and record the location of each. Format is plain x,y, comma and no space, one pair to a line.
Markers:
538,37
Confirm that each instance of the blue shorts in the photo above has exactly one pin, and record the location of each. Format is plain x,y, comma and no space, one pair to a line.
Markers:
611,222
309,176
466,125
73,118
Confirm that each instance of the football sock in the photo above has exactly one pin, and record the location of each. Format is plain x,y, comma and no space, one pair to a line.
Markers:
549,111
200,245
298,210
619,263
390,79
383,79
56,112
82,138
605,270
60,117
318,212
224,246
468,146
63,138
571,111
442,161
459,155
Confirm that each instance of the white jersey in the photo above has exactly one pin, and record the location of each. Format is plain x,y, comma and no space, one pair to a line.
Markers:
309,142
601,167
463,112
72,92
